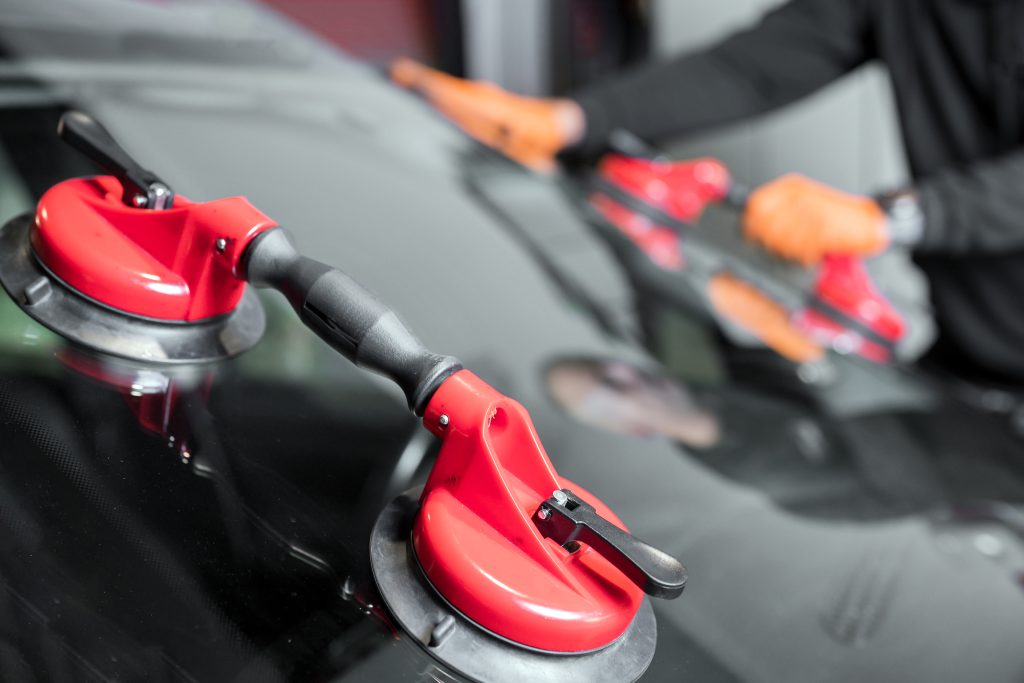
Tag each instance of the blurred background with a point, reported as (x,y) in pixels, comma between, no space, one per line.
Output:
(845,135)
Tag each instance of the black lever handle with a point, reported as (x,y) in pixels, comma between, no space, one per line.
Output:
(565,517)
(348,317)
(142,188)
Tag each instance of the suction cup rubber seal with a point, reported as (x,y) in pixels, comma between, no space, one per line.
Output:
(94,326)
(472,651)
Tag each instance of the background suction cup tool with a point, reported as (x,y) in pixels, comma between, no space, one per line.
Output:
(656,203)
(120,265)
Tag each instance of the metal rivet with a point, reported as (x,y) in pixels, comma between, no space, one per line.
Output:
(543,513)
(443,420)
(221,245)
(140,200)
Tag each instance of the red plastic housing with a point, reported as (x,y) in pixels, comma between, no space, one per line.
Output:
(477,542)
(844,284)
(157,264)
(679,189)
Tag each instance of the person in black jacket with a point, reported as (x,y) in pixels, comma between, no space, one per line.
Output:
(957,68)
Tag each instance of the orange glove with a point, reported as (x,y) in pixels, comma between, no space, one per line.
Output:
(747,307)
(804,220)
(527,129)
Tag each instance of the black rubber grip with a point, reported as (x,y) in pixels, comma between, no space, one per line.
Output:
(348,317)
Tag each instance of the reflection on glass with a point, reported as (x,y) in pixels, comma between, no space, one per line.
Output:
(623,398)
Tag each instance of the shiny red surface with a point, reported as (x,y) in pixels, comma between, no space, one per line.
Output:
(477,542)
(679,189)
(157,264)
(661,244)
(843,282)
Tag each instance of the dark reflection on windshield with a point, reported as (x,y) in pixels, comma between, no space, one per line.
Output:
(180,525)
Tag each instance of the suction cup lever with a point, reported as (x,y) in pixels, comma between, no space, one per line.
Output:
(348,317)
(142,188)
(565,517)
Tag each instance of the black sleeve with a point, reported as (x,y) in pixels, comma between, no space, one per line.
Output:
(793,51)
(975,209)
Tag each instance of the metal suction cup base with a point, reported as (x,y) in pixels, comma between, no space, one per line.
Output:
(96,327)
(471,651)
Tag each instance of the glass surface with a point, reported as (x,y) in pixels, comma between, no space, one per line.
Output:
(627,399)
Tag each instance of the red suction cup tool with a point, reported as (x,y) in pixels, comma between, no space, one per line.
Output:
(506,572)
(849,314)
(526,555)
(502,569)
(176,264)
(655,202)
(120,265)
(650,199)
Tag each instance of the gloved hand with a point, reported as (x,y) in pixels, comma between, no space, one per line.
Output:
(804,220)
(767,320)
(529,130)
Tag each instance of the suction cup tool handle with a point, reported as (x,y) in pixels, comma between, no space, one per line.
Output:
(142,188)
(348,317)
(565,517)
